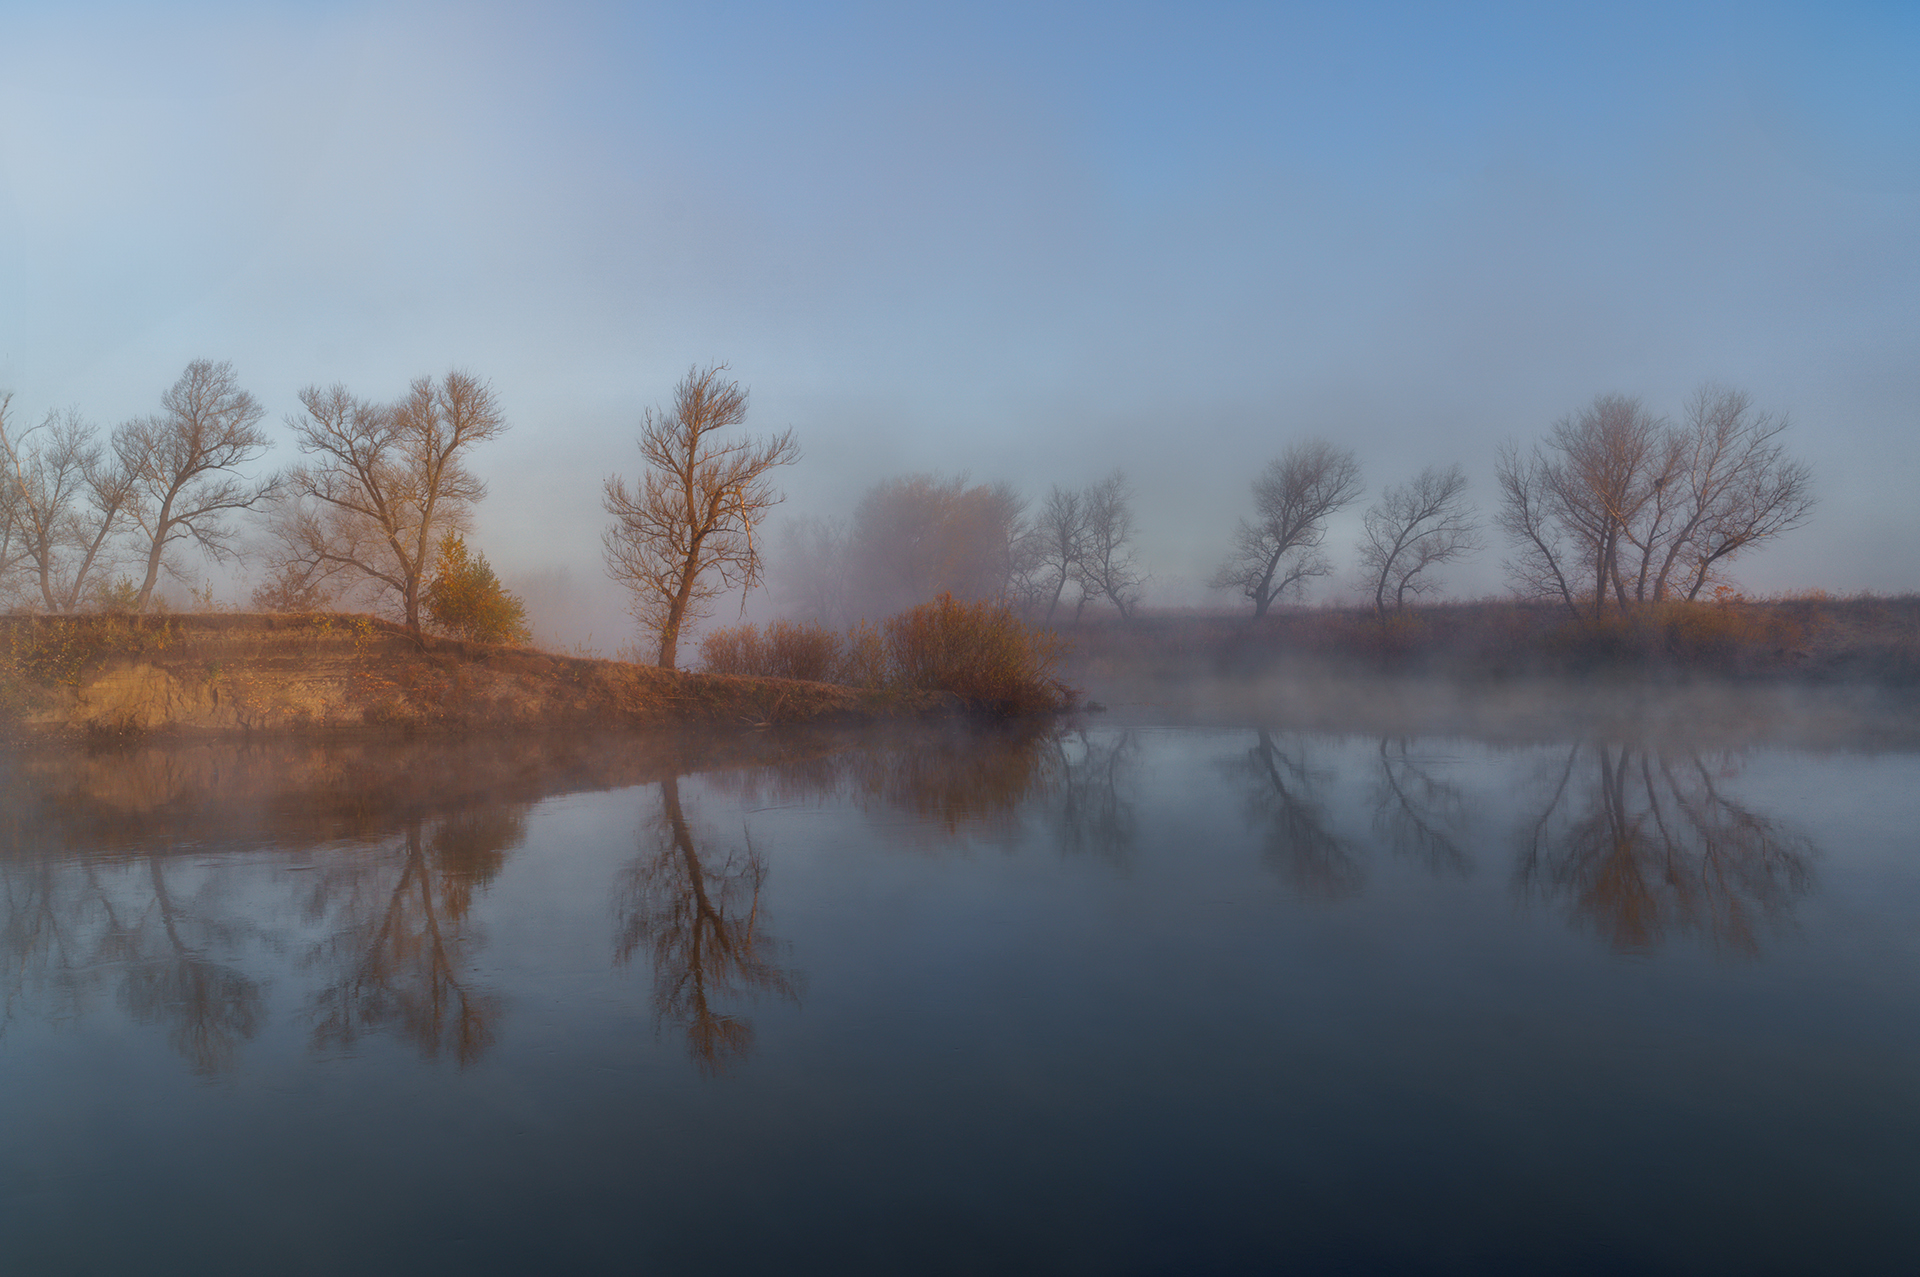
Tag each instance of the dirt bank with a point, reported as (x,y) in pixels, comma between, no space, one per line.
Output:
(322,673)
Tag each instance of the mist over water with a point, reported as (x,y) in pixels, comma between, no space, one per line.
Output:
(1098,997)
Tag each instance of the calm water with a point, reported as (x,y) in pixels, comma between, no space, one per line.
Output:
(1112,1001)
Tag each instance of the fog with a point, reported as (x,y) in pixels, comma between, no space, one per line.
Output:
(1020,247)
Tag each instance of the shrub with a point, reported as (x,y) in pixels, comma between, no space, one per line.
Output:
(736,650)
(863,662)
(981,652)
(808,651)
(465,598)
(786,649)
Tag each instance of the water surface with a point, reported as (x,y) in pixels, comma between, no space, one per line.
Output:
(1102,999)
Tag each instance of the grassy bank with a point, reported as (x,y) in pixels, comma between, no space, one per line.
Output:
(118,677)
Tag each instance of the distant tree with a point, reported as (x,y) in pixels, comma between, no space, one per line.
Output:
(1108,566)
(1618,501)
(683,535)
(386,483)
(813,571)
(184,465)
(65,497)
(1059,544)
(1414,526)
(465,598)
(919,536)
(1292,499)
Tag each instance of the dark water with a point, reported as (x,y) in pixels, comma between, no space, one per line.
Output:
(1114,1000)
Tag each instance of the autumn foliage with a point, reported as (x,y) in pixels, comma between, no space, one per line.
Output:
(982,653)
(466,599)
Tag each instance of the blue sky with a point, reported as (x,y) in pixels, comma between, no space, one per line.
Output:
(1028,242)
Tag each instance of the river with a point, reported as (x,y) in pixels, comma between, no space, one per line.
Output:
(1112,997)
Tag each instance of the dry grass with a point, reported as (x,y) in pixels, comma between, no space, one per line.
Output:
(983,653)
(235,673)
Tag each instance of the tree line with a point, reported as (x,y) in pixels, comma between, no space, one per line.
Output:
(1615,507)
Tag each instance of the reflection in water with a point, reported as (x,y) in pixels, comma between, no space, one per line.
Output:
(399,933)
(1284,807)
(1641,843)
(700,919)
(1420,813)
(209,1007)
(67,929)
(953,781)
(1092,778)
(97,899)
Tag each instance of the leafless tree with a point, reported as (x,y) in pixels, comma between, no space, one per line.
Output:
(1420,523)
(683,535)
(386,482)
(1059,544)
(184,464)
(1108,567)
(1292,500)
(1738,489)
(66,496)
(1619,501)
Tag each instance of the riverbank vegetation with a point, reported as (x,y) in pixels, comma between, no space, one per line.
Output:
(124,677)
(982,653)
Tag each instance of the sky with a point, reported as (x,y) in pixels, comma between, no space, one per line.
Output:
(1026,242)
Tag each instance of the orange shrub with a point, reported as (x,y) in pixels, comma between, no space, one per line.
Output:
(981,652)
(807,651)
(785,649)
(738,650)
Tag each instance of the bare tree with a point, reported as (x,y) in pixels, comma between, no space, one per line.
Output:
(184,464)
(1617,500)
(65,498)
(1292,500)
(1739,489)
(683,535)
(386,482)
(1528,514)
(1414,526)
(1059,544)
(1108,568)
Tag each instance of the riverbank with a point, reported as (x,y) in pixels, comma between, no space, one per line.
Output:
(1804,640)
(115,678)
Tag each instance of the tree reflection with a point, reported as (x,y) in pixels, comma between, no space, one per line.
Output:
(209,1007)
(953,781)
(1418,811)
(67,929)
(700,919)
(1642,843)
(406,926)
(1092,776)
(1283,806)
